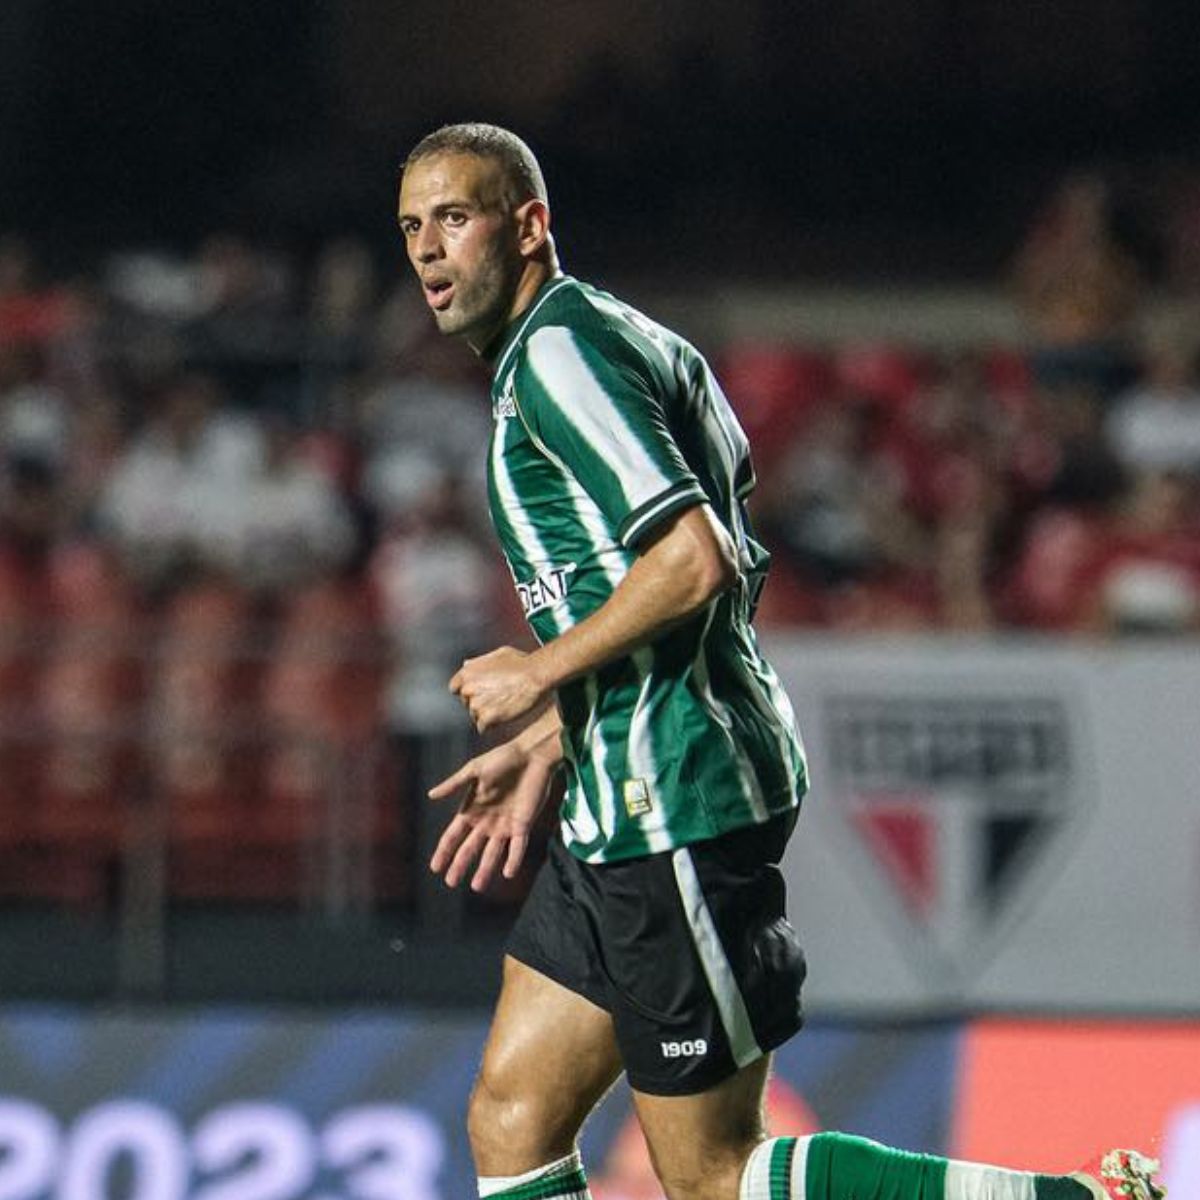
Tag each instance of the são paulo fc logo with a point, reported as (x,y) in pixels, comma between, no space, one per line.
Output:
(956,799)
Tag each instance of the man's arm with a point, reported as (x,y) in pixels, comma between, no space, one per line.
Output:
(683,568)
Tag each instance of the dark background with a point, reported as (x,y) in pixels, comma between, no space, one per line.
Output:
(753,139)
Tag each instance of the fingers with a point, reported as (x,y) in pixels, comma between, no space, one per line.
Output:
(462,844)
(448,844)
(489,860)
(516,854)
(464,856)
(447,787)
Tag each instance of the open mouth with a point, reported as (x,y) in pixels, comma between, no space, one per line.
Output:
(438,293)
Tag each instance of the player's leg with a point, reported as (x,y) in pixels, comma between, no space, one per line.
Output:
(705,979)
(834,1166)
(700,1144)
(550,1057)
(711,1146)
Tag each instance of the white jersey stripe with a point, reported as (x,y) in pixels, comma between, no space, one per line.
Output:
(597,747)
(642,761)
(534,551)
(524,530)
(721,980)
(514,341)
(561,370)
(970,1181)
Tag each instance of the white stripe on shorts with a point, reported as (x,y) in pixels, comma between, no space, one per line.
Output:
(721,980)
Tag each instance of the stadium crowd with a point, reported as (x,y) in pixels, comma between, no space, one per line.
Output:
(240,506)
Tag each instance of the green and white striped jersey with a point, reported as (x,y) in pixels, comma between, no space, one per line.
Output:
(605,424)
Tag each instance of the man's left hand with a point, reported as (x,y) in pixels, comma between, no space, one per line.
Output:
(498,687)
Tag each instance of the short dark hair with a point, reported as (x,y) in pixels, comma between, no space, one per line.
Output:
(522,175)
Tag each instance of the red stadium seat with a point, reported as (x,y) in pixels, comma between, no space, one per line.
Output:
(887,373)
(78,689)
(322,698)
(773,389)
(23,634)
(207,749)
(90,699)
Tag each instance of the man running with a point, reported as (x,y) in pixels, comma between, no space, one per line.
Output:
(654,940)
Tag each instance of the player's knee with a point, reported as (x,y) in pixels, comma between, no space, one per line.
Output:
(511,1129)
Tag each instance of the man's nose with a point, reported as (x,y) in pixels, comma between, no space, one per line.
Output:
(427,246)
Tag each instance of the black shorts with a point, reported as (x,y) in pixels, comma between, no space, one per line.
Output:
(689,950)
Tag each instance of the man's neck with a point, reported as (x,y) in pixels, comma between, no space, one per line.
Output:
(533,278)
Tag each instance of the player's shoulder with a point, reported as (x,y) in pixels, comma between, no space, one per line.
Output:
(580,319)
(579,309)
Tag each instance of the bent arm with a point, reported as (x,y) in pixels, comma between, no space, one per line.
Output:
(686,566)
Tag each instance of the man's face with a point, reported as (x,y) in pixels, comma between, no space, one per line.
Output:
(462,240)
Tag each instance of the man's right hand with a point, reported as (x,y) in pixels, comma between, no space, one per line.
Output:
(503,791)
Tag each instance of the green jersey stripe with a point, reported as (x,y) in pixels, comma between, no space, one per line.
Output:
(722,718)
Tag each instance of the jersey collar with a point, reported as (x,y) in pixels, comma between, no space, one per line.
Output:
(497,353)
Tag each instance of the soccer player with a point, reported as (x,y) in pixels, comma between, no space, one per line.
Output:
(654,940)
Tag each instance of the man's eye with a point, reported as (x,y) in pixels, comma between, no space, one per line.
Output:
(408,228)
(455,218)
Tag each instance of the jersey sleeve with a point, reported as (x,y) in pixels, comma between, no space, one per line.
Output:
(601,414)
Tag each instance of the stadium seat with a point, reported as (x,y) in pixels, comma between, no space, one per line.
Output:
(322,700)
(887,373)
(73,763)
(207,748)
(773,389)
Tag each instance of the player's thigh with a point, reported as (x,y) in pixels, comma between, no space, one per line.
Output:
(699,1143)
(550,1056)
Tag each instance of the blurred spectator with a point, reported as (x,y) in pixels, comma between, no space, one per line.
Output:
(343,291)
(437,586)
(1156,424)
(424,425)
(1078,285)
(29,508)
(33,412)
(285,526)
(174,485)
(1046,587)
(835,504)
(239,281)
(1085,473)
(30,313)
(1147,575)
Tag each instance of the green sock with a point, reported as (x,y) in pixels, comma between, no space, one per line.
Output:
(837,1166)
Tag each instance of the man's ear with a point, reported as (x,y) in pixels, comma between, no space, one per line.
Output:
(533,226)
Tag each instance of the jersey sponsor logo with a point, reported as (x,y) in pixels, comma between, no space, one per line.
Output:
(688,1048)
(637,797)
(956,798)
(544,590)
